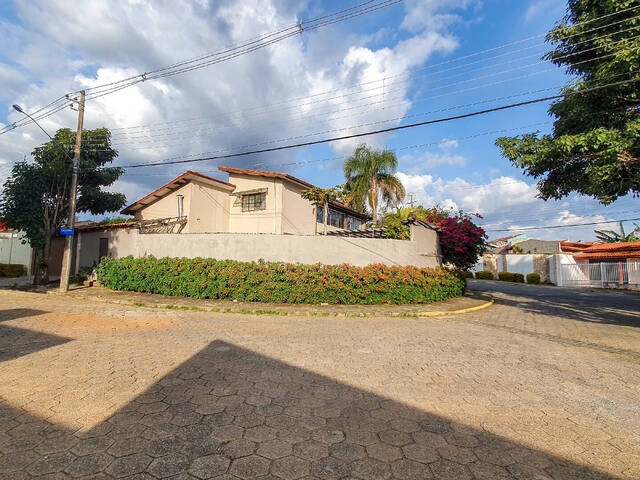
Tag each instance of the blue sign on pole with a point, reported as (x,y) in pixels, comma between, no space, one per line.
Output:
(66,231)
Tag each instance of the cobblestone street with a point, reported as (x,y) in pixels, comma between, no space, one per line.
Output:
(542,385)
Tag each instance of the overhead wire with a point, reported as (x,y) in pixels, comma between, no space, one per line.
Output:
(27,121)
(134,140)
(305,25)
(546,227)
(389,129)
(228,116)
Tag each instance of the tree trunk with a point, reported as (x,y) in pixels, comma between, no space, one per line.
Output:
(41,273)
(325,215)
(46,257)
(374,200)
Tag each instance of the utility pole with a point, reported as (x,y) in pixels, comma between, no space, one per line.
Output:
(410,195)
(65,274)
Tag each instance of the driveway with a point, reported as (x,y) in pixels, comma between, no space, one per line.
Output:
(522,390)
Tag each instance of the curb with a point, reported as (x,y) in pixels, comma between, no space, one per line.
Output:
(487,304)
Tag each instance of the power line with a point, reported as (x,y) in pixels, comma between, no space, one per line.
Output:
(387,130)
(229,115)
(133,140)
(546,227)
(18,124)
(233,52)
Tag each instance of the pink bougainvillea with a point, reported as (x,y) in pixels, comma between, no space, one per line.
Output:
(462,241)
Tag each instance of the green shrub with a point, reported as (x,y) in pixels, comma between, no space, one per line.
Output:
(484,275)
(279,282)
(467,274)
(511,277)
(12,270)
(533,278)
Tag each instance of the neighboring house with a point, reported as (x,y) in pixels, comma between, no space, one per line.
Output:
(499,244)
(252,201)
(612,265)
(610,252)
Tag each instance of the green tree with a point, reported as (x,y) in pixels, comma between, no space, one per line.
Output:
(392,223)
(595,145)
(611,236)
(370,176)
(36,194)
(321,197)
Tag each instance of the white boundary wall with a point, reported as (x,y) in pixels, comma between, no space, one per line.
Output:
(519,263)
(12,250)
(422,251)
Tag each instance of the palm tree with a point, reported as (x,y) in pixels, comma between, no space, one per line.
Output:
(370,176)
(611,236)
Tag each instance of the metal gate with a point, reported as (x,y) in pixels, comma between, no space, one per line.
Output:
(603,275)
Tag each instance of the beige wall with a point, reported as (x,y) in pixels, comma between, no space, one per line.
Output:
(298,214)
(120,240)
(208,210)
(205,206)
(167,206)
(263,221)
(422,251)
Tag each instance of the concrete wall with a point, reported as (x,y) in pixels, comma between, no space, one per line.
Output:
(423,251)
(519,264)
(538,246)
(12,250)
(119,240)
(525,264)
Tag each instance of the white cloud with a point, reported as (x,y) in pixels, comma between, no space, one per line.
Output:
(59,48)
(431,160)
(538,7)
(427,14)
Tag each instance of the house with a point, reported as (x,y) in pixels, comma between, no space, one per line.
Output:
(499,244)
(613,265)
(610,252)
(252,216)
(252,201)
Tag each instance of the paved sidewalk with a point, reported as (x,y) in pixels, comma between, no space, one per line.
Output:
(100,390)
(154,301)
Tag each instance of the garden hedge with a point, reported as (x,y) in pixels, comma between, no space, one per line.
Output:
(484,275)
(511,277)
(279,282)
(12,270)
(533,278)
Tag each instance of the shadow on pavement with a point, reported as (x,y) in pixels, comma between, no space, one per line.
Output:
(16,342)
(15,313)
(605,308)
(231,412)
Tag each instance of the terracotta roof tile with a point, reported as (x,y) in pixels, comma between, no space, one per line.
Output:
(613,247)
(617,255)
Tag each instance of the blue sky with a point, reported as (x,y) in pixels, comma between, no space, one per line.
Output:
(51,49)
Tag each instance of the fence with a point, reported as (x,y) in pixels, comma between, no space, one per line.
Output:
(602,275)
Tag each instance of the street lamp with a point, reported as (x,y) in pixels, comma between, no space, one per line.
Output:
(19,109)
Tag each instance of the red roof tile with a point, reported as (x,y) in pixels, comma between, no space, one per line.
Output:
(614,247)
(611,251)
